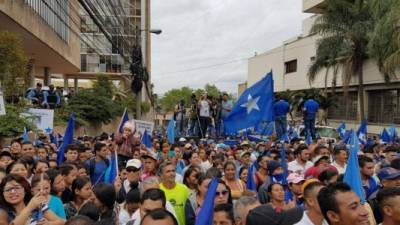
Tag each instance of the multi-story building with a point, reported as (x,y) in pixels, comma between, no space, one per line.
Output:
(290,63)
(49,31)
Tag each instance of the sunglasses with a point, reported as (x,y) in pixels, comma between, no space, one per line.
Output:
(222,193)
(131,169)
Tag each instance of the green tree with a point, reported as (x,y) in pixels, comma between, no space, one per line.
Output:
(172,97)
(14,77)
(346,25)
(12,124)
(384,45)
(95,105)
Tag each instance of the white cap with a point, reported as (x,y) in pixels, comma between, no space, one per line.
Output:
(134,163)
(182,139)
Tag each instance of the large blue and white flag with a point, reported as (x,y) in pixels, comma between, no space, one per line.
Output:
(352,175)
(112,169)
(342,130)
(251,183)
(254,105)
(362,132)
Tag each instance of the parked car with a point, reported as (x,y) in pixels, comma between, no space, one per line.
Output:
(329,134)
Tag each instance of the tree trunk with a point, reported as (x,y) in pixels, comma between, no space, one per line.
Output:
(361,92)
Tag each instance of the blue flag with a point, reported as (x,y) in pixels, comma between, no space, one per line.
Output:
(146,139)
(171,131)
(179,167)
(385,137)
(124,119)
(352,175)
(342,130)
(251,183)
(67,140)
(308,137)
(112,169)
(288,193)
(253,106)
(25,136)
(206,214)
(362,132)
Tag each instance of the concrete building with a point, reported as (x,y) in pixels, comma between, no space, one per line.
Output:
(290,63)
(49,30)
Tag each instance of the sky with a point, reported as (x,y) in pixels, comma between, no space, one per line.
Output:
(210,41)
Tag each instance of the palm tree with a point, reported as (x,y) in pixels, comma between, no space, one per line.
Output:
(344,28)
(385,40)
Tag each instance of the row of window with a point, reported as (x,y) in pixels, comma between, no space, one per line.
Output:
(55,13)
(383,106)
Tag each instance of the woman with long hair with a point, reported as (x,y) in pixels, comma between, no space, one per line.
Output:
(57,184)
(195,200)
(19,168)
(236,185)
(81,193)
(20,208)
(190,177)
(41,184)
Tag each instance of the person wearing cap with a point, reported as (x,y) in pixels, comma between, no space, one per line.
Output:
(370,185)
(312,215)
(150,165)
(266,214)
(321,163)
(341,206)
(389,177)
(302,163)
(176,193)
(245,159)
(296,182)
(131,182)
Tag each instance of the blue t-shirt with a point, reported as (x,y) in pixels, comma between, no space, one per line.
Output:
(99,171)
(311,106)
(56,206)
(281,108)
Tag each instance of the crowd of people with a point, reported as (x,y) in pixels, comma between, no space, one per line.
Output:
(168,183)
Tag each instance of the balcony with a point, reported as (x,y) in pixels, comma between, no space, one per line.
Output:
(313,6)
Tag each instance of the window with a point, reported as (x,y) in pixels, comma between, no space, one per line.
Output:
(291,66)
(383,106)
(345,108)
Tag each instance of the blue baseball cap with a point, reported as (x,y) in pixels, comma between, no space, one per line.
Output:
(388,173)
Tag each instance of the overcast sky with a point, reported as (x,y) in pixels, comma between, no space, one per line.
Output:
(209,41)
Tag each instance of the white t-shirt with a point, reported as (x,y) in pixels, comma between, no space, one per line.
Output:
(305,220)
(204,108)
(136,215)
(295,167)
(340,169)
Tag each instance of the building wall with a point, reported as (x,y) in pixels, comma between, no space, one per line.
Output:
(382,101)
(46,38)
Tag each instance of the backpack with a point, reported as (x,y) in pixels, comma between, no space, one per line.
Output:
(92,165)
